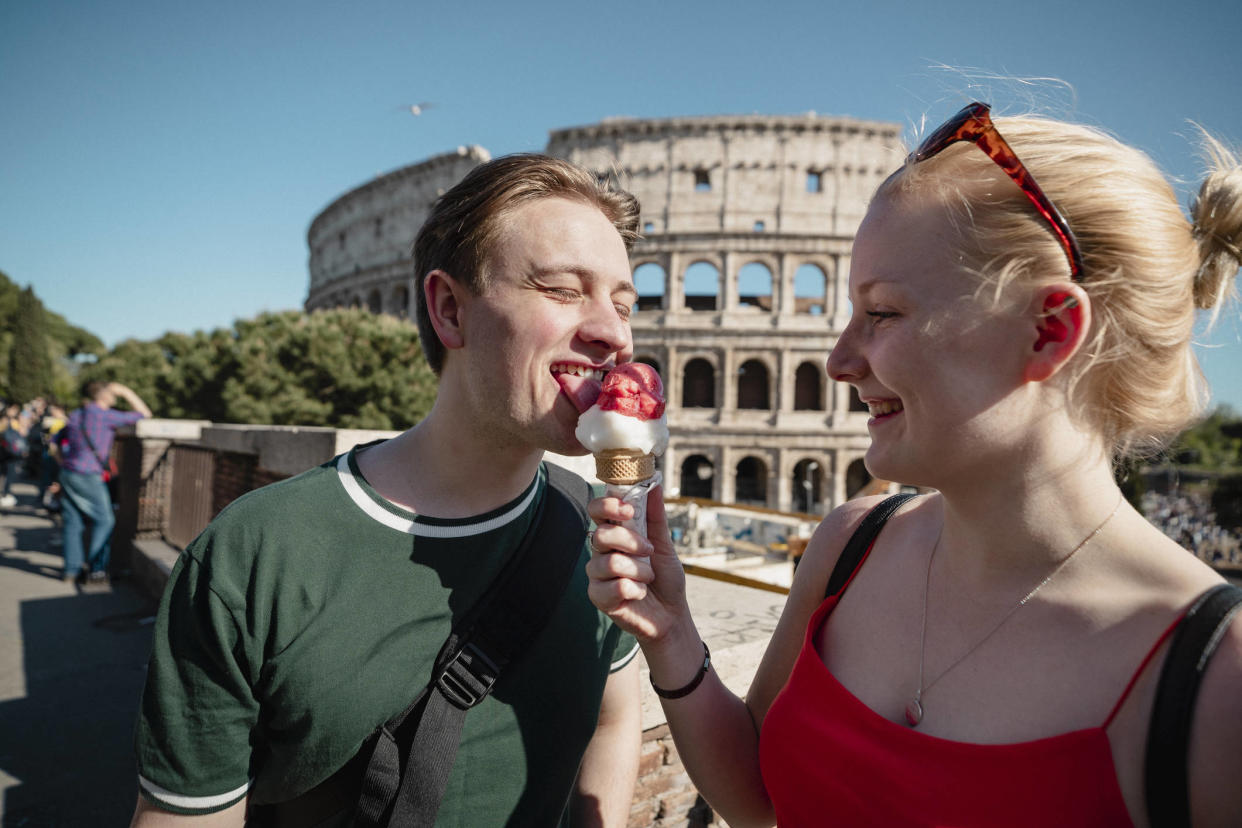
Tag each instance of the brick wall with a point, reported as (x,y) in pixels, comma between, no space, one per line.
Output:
(664,796)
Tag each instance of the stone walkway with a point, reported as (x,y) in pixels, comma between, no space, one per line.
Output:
(72,665)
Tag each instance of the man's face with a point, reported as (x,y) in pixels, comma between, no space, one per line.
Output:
(557,301)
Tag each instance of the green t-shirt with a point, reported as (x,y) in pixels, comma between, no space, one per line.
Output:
(310,612)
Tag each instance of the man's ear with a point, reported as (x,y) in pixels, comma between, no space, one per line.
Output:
(442,294)
(1060,318)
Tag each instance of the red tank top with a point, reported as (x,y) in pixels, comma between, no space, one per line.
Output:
(828,759)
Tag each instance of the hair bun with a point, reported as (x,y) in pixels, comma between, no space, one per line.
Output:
(1217,217)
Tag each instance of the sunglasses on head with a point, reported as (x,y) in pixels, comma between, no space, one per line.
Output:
(974,124)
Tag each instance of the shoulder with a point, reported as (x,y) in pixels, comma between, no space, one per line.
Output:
(1215,761)
(834,532)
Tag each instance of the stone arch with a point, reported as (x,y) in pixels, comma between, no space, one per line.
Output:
(698,384)
(856,403)
(753,385)
(401,301)
(808,387)
(375,302)
(856,478)
(754,286)
(810,289)
(697,472)
(702,286)
(649,281)
(808,486)
(356,302)
(751,483)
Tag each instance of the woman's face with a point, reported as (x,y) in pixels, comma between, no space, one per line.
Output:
(936,366)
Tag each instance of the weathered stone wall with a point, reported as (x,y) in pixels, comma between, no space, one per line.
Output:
(360,244)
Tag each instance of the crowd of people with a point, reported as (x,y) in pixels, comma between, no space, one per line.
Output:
(69,457)
(1188,519)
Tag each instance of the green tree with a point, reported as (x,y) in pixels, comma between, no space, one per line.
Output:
(346,368)
(29,361)
(1215,443)
(64,342)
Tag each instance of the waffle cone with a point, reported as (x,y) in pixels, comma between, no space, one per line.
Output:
(624,467)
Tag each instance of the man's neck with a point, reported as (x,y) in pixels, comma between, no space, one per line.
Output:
(434,469)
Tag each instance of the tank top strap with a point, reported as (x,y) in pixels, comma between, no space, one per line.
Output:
(1142,666)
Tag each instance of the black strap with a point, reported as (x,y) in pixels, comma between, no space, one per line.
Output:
(860,541)
(1168,737)
(414,751)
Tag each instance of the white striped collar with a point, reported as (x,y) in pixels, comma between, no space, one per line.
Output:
(403,520)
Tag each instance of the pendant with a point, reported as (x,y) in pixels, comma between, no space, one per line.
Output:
(914,712)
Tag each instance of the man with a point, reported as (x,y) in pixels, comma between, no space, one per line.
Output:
(86,444)
(310,612)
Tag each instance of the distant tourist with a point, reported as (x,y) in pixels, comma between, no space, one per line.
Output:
(13,448)
(310,613)
(86,444)
(992,657)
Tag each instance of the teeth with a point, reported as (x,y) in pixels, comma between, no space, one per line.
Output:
(878,409)
(577,370)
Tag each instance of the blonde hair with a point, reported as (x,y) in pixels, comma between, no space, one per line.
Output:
(1146,267)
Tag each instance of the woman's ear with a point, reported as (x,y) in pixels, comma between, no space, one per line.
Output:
(1060,317)
(443,294)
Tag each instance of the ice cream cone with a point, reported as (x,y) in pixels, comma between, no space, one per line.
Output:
(624,467)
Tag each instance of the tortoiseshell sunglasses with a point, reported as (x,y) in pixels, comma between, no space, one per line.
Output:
(974,124)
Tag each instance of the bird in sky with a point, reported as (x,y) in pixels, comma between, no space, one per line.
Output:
(417,109)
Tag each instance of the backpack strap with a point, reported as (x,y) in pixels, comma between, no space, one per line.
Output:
(414,751)
(858,544)
(1168,736)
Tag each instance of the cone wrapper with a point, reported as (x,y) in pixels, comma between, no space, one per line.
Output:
(635,494)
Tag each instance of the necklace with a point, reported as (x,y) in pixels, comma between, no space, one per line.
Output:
(914,710)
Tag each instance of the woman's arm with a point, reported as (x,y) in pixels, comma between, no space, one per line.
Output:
(717,734)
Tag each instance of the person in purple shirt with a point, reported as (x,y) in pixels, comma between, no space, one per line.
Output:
(85,444)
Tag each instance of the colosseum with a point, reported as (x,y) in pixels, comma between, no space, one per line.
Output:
(747,225)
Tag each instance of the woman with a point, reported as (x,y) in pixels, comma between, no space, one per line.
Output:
(994,658)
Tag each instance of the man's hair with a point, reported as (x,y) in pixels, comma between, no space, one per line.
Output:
(461,231)
(93,389)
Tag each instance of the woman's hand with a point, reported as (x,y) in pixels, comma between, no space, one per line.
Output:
(636,582)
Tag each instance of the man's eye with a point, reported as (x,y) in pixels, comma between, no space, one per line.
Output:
(561,293)
(624,311)
(882,314)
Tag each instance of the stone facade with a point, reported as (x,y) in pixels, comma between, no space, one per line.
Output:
(742,270)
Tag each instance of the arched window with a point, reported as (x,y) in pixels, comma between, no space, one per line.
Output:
(808,479)
(752,385)
(649,282)
(856,478)
(856,403)
(401,301)
(702,287)
(810,290)
(696,476)
(698,385)
(356,302)
(754,286)
(702,181)
(374,303)
(752,482)
(808,388)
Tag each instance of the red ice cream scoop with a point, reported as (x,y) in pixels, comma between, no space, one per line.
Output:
(633,389)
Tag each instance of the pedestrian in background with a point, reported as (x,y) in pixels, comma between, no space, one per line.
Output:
(85,445)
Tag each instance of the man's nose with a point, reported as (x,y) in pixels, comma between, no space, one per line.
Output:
(604,328)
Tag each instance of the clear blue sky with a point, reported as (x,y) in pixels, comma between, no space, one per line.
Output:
(160,162)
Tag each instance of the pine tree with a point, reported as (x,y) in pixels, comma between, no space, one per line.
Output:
(30,361)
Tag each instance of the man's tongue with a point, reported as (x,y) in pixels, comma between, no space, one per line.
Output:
(582,391)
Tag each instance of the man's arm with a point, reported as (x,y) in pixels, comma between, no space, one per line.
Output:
(605,788)
(149,816)
(135,402)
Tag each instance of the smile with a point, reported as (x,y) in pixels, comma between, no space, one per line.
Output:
(879,408)
(577,370)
